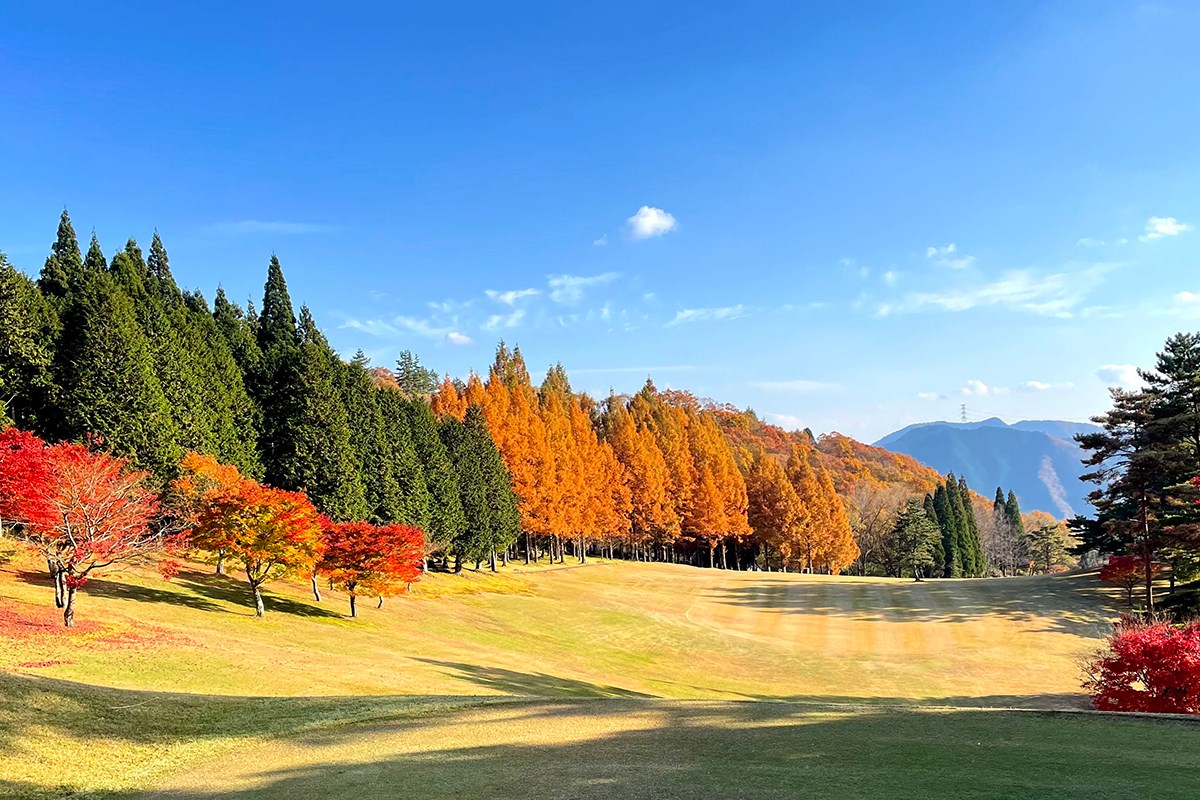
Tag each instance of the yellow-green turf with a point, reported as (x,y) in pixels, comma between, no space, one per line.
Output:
(609,680)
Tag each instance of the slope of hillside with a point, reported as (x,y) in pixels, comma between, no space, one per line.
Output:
(1038,459)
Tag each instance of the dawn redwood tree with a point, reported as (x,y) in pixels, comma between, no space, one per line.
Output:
(93,510)
(272,532)
(372,560)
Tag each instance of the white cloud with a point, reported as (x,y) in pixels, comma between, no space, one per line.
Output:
(499,321)
(603,240)
(512,296)
(634,370)
(1043,386)
(461,339)
(260,226)
(1124,375)
(709,314)
(930,396)
(799,386)
(1054,295)
(1158,227)
(1188,297)
(945,257)
(650,222)
(1088,241)
(570,288)
(788,421)
(891,277)
(977,388)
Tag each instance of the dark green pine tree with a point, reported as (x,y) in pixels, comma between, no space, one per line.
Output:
(108,385)
(26,324)
(372,447)
(962,555)
(276,386)
(323,461)
(473,540)
(63,271)
(234,415)
(416,507)
(974,547)
(414,379)
(446,519)
(504,521)
(1012,512)
(181,365)
(238,333)
(998,504)
(938,552)
(948,526)
(94,261)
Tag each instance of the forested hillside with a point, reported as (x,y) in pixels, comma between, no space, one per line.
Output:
(111,352)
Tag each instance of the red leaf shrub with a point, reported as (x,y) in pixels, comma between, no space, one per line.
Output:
(1148,667)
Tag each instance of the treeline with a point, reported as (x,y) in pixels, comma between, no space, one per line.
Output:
(112,352)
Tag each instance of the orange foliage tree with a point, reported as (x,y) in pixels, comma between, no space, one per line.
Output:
(373,560)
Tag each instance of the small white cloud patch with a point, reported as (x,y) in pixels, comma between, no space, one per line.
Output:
(1160,227)
(650,222)
(1124,375)
(512,296)
(947,256)
(461,339)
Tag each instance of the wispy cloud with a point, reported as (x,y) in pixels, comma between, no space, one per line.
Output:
(891,277)
(1055,295)
(398,326)
(512,296)
(634,370)
(570,288)
(1043,386)
(788,421)
(260,226)
(461,339)
(1088,241)
(503,321)
(601,242)
(977,388)
(798,386)
(1160,227)
(947,256)
(1124,375)
(930,396)
(709,314)
(650,222)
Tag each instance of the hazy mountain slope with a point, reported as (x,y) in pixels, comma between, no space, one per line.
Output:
(1037,459)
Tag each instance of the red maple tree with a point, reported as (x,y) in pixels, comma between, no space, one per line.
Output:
(373,560)
(81,510)
(1128,572)
(1151,667)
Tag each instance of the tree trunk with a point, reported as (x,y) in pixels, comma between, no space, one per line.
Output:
(259,608)
(57,577)
(504,557)
(69,608)
(316,589)
(380,604)
(492,561)
(1147,561)
(220,562)
(353,606)
(582,550)
(527,548)
(711,547)
(458,561)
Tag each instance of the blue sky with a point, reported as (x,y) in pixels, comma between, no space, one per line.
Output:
(847,216)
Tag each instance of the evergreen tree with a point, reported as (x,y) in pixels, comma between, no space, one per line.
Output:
(913,537)
(322,461)
(937,550)
(504,514)
(276,387)
(372,446)
(25,354)
(415,507)
(485,490)
(94,261)
(239,335)
(277,323)
(446,517)
(414,379)
(948,526)
(1012,513)
(63,271)
(108,384)
(962,555)
(973,560)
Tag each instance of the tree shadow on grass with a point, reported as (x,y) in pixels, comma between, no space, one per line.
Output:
(197,590)
(535,684)
(643,749)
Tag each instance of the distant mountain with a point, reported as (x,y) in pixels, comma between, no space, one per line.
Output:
(1037,459)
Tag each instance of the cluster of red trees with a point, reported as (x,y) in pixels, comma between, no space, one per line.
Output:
(1148,666)
(84,510)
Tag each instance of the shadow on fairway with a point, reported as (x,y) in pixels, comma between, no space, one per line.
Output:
(528,683)
(203,590)
(754,751)
(1069,604)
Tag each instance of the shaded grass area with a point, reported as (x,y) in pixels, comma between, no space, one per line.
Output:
(696,749)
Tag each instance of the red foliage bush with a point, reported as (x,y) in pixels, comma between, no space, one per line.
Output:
(1148,666)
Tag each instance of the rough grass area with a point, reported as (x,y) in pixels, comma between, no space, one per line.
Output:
(176,685)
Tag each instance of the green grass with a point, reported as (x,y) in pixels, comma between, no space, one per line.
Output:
(609,680)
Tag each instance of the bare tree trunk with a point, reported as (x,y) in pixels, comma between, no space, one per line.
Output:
(353,606)
(259,608)
(56,576)
(220,562)
(69,608)
(526,548)
(316,589)
(381,601)
(504,557)
(582,550)
(492,561)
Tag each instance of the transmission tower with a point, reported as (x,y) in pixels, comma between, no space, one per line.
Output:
(962,410)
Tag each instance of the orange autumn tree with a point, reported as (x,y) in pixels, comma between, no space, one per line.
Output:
(836,548)
(272,532)
(805,538)
(447,402)
(774,511)
(651,515)
(201,476)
